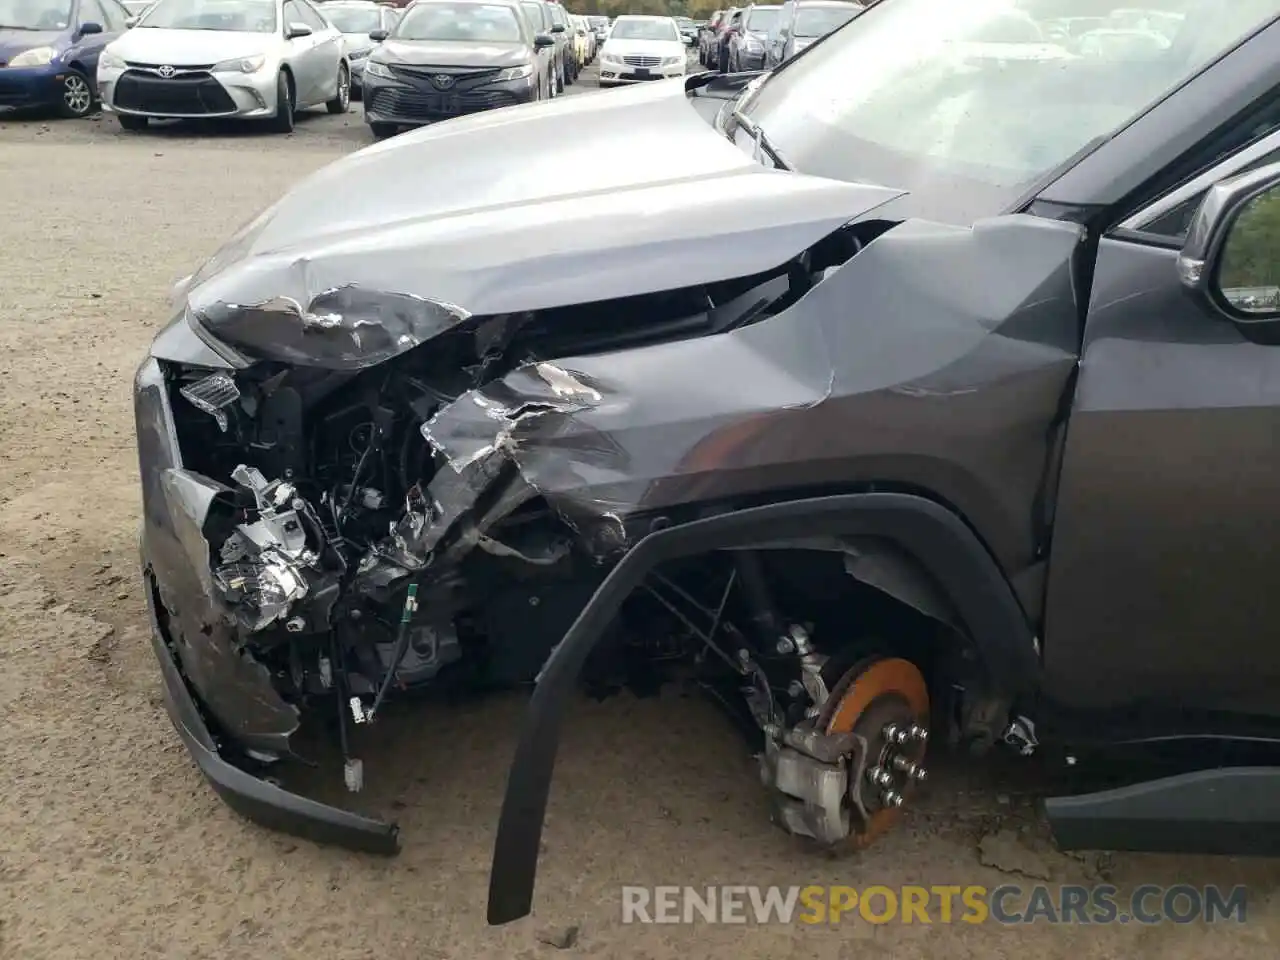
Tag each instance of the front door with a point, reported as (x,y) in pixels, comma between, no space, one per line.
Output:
(1163,599)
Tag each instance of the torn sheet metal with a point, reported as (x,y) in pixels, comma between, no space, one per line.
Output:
(343,328)
(929,325)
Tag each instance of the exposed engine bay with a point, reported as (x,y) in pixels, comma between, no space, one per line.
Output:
(359,557)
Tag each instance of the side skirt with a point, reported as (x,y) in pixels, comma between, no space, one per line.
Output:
(1231,811)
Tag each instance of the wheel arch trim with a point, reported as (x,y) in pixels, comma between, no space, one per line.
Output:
(932,533)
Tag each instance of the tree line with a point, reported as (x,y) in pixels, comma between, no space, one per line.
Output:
(697,9)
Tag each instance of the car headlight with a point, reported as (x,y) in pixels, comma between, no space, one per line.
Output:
(376,68)
(754,46)
(357,54)
(671,61)
(515,73)
(111,61)
(240,65)
(35,57)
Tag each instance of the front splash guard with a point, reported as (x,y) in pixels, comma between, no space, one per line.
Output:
(930,532)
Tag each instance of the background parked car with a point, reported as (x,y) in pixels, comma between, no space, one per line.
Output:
(642,48)
(447,58)
(707,36)
(688,29)
(355,20)
(601,27)
(49,52)
(587,36)
(537,19)
(560,53)
(802,22)
(578,34)
(269,59)
(729,26)
(747,46)
(560,19)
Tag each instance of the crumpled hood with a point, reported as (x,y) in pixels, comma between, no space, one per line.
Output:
(14,42)
(477,212)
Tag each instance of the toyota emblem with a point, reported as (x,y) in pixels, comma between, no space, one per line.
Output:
(166,71)
(442,81)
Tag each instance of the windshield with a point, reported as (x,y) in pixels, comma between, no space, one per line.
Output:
(461,22)
(760,19)
(240,16)
(819,21)
(34,14)
(353,19)
(644,30)
(533,12)
(965,120)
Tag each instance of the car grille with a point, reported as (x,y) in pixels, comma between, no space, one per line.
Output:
(156,66)
(423,105)
(635,61)
(459,78)
(188,94)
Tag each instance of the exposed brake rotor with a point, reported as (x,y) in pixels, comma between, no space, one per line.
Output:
(885,702)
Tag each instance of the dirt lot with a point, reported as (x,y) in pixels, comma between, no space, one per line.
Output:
(111,844)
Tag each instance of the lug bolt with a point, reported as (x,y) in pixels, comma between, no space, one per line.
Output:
(892,798)
(904,764)
(880,776)
(919,733)
(920,774)
(890,732)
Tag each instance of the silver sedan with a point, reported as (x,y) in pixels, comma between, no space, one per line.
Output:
(252,59)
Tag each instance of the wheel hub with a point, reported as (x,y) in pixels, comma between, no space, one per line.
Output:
(884,703)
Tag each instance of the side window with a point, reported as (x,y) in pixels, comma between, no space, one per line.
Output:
(116,16)
(311,17)
(293,13)
(90,12)
(1172,224)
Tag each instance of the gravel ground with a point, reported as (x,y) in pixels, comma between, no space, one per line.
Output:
(110,842)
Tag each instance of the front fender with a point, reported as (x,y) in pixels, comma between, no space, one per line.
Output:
(935,536)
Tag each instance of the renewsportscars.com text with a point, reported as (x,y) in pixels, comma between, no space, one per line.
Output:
(973,904)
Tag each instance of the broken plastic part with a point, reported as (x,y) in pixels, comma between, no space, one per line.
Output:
(213,395)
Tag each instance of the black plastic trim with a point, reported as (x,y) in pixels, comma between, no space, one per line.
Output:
(933,534)
(252,798)
(1229,811)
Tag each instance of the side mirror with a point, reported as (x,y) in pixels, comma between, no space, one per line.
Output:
(557,28)
(1230,259)
(377,36)
(297,30)
(87,29)
(543,40)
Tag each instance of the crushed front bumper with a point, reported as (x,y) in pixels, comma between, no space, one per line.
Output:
(251,797)
(215,679)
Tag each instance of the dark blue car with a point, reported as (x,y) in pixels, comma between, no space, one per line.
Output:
(49,52)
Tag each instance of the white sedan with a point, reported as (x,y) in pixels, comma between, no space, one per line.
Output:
(252,59)
(642,48)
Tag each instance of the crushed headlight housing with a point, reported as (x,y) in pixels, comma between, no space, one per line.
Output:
(346,328)
(213,395)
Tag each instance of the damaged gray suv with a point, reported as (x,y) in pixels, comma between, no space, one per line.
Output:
(935,412)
